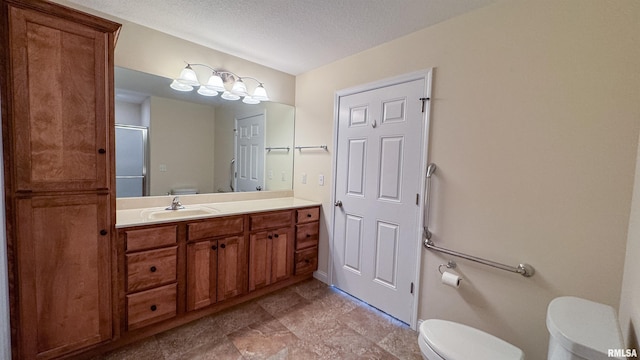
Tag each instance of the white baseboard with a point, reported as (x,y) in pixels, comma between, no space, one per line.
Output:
(321,276)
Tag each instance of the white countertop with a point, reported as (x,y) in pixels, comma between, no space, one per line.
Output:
(158,215)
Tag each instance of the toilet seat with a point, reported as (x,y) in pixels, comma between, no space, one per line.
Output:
(453,341)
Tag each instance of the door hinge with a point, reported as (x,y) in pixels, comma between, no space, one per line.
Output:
(424,99)
(412,288)
(417,199)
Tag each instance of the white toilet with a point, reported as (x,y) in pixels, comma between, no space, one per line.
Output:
(581,329)
(447,340)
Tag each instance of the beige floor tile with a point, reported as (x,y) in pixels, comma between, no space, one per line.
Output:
(306,321)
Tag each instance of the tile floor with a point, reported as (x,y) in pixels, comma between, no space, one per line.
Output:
(305,321)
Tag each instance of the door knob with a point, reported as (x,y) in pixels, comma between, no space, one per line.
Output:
(338,203)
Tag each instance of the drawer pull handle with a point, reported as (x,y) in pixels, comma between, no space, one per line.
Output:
(308,235)
(308,215)
(306,261)
(103,232)
(154,308)
(102,151)
(222,246)
(153,269)
(214,247)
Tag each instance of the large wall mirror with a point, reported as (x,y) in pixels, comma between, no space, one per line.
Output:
(170,142)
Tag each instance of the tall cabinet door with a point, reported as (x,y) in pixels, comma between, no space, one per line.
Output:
(60,103)
(64,260)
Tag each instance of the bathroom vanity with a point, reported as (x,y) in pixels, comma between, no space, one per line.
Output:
(174,270)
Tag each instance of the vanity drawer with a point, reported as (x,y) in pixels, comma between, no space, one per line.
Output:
(142,239)
(151,268)
(151,306)
(270,220)
(306,235)
(307,215)
(215,227)
(306,261)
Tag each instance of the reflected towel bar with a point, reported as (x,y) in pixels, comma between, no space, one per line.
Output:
(278,148)
(324,147)
(525,270)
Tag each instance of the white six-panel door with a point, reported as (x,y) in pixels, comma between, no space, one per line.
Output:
(250,153)
(378,177)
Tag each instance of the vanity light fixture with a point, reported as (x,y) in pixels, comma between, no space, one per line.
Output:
(188,80)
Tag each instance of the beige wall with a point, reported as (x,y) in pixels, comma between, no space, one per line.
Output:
(630,296)
(534,128)
(181,137)
(147,50)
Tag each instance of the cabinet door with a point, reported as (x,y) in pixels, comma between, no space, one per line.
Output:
(202,264)
(64,267)
(270,258)
(259,260)
(61,117)
(232,267)
(281,254)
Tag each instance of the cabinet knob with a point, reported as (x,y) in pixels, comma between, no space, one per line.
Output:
(270,237)
(103,232)
(222,246)
(308,215)
(306,261)
(214,247)
(102,151)
(154,308)
(153,269)
(276,235)
(308,235)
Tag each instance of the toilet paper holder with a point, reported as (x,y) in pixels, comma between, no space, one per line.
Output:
(450,265)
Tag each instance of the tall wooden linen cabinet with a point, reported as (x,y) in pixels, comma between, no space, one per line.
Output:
(56,68)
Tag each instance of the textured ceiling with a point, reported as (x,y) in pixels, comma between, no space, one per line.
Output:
(292,36)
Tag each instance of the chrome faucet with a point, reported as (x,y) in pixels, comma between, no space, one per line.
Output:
(175,204)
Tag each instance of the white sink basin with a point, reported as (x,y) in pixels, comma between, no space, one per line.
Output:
(176,214)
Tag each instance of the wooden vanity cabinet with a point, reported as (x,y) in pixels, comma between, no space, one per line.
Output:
(270,248)
(307,235)
(56,78)
(216,261)
(151,275)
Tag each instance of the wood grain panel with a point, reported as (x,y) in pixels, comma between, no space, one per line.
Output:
(306,261)
(142,239)
(61,121)
(201,274)
(215,227)
(232,267)
(307,235)
(65,270)
(307,215)
(151,306)
(270,220)
(151,268)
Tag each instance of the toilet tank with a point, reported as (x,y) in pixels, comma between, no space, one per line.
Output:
(581,329)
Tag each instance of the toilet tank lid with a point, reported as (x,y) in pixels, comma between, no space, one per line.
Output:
(583,327)
(454,341)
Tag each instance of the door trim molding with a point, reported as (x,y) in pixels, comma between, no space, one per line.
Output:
(426,75)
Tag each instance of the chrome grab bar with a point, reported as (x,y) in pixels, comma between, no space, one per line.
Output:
(525,270)
(431,168)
